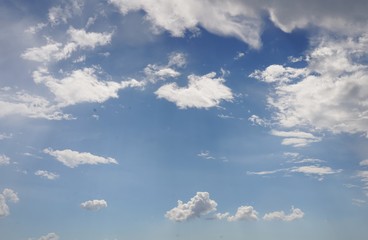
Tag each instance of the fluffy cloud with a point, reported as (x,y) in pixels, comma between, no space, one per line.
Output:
(94,205)
(81,85)
(256,120)
(218,17)
(62,13)
(278,73)
(55,51)
(199,205)
(154,72)
(4,160)
(364,163)
(49,236)
(8,195)
(73,159)
(244,213)
(296,138)
(46,174)
(332,95)
(33,106)
(202,92)
(296,213)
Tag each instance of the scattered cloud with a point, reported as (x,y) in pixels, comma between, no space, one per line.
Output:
(177,17)
(202,92)
(331,94)
(73,159)
(65,11)
(197,206)
(4,160)
(94,205)
(256,120)
(358,202)
(267,172)
(296,213)
(205,154)
(46,174)
(278,73)
(364,163)
(296,138)
(363,175)
(49,236)
(244,213)
(82,85)
(56,51)
(239,55)
(27,105)
(8,195)
(5,136)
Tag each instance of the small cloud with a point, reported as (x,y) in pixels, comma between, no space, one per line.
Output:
(5,136)
(244,213)
(4,160)
(256,120)
(49,236)
(295,59)
(279,74)
(94,205)
(202,92)
(8,195)
(239,55)
(73,159)
(364,163)
(205,155)
(197,206)
(358,202)
(46,174)
(296,138)
(296,213)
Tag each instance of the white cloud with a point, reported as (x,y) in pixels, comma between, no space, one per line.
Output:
(278,73)
(296,213)
(8,195)
(36,28)
(62,13)
(46,174)
(56,51)
(205,155)
(267,172)
(81,85)
(88,39)
(296,138)
(256,120)
(244,213)
(4,160)
(363,175)
(199,205)
(177,59)
(332,95)
(358,202)
(315,170)
(33,106)
(364,163)
(5,136)
(308,160)
(94,205)
(239,55)
(202,92)
(73,159)
(222,18)
(50,236)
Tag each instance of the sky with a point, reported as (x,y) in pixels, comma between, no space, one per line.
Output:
(173,119)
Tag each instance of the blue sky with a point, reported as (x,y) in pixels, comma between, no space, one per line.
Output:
(210,119)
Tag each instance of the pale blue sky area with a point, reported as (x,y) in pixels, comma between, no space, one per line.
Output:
(136,119)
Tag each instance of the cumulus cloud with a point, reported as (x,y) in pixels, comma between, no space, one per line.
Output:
(94,205)
(4,160)
(364,163)
(333,93)
(278,73)
(202,92)
(154,72)
(56,51)
(197,206)
(49,236)
(82,85)
(296,213)
(8,195)
(218,17)
(244,213)
(296,138)
(65,11)
(73,159)
(25,104)
(46,174)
